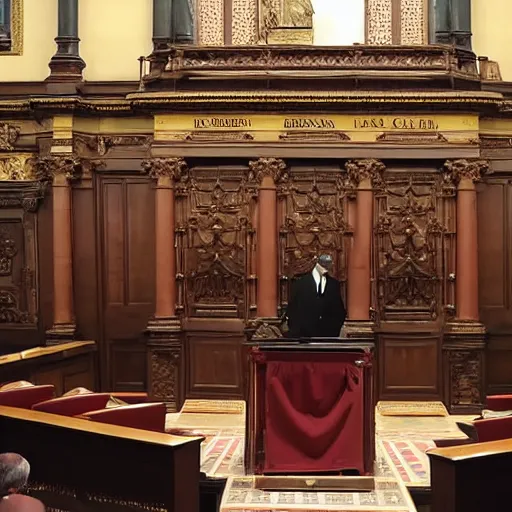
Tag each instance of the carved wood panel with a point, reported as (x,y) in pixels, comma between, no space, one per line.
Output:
(18,271)
(214,223)
(312,220)
(464,378)
(414,246)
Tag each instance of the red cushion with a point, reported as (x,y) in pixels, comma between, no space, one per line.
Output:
(494,429)
(142,416)
(73,405)
(499,402)
(26,397)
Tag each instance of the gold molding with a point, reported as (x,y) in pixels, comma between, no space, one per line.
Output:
(16,29)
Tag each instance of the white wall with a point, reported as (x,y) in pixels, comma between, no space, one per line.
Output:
(338,22)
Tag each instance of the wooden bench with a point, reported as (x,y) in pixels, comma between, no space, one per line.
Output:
(472,477)
(78,464)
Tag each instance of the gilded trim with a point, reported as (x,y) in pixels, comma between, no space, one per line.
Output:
(16,29)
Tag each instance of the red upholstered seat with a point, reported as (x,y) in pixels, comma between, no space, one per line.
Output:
(142,416)
(494,429)
(499,402)
(73,405)
(26,396)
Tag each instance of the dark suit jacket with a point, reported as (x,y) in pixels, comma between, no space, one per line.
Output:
(311,316)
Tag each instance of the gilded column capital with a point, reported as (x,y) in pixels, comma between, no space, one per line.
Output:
(457,170)
(59,169)
(172,168)
(17,167)
(273,167)
(368,169)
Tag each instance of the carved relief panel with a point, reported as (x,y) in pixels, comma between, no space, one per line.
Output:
(18,265)
(312,223)
(213,226)
(413,230)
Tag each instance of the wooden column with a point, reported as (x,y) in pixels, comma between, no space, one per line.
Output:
(465,173)
(67,65)
(164,329)
(267,172)
(464,336)
(59,170)
(363,174)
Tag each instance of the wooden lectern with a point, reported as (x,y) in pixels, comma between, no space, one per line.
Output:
(310,407)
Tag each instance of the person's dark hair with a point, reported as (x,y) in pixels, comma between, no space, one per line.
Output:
(14,472)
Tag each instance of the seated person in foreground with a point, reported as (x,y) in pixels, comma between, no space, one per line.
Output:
(14,473)
(316,309)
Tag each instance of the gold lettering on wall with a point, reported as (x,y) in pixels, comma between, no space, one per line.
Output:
(283,127)
(396,123)
(309,123)
(221,122)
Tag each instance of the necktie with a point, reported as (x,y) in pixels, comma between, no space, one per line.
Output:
(320,281)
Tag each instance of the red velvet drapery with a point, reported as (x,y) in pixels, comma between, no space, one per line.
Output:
(314,414)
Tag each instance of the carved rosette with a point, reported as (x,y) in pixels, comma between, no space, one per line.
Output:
(273,167)
(164,364)
(368,169)
(8,136)
(457,170)
(173,168)
(58,168)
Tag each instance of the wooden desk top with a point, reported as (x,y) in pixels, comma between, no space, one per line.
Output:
(313,345)
(96,428)
(471,451)
(66,349)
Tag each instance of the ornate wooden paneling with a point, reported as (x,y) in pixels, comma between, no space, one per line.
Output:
(215,223)
(495,286)
(214,241)
(414,259)
(126,215)
(464,373)
(409,246)
(312,222)
(19,291)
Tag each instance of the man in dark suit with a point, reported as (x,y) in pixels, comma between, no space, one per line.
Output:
(316,308)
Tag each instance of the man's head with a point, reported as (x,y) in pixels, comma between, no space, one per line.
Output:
(325,262)
(14,472)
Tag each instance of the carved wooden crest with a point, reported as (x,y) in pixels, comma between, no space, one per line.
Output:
(215,230)
(408,243)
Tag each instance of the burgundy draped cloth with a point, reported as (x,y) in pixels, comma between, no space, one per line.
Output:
(314,414)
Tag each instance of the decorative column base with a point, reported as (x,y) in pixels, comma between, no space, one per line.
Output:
(66,65)
(454,38)
(263,329)
(164,349)
(60,333)
(464,367)
(358,329)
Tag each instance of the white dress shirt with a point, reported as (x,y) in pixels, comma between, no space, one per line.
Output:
(319,278)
